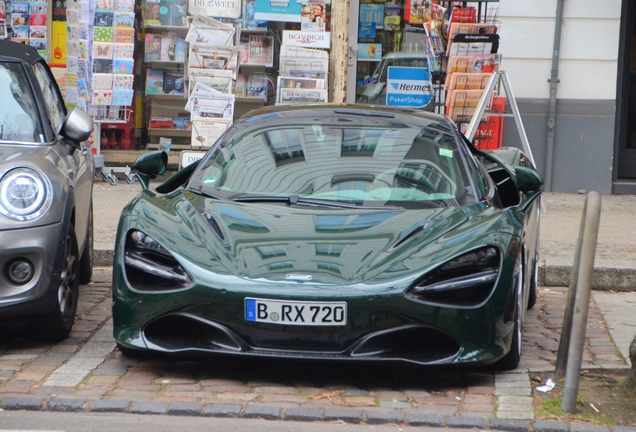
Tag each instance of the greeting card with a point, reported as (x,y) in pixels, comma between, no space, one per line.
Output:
(82,29)
(123,97)
(102,50)
(37,20)
(71,65)
(103,34)
(83,49)
(103,19)
(72,16)
(124,35)
(102,97)
(124,19)
(104,5)
(102,65)
(102,81)
(21,7)
(124,5)
(123,66)
(71,94)
(72,33)
(39,44)
(71,79)
(37,32)
(123,82)
(124,51)
(37,8)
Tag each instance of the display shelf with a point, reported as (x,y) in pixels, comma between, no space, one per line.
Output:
(164,28)
(171,132)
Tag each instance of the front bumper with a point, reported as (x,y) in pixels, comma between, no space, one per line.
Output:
(41,246)
(380,327)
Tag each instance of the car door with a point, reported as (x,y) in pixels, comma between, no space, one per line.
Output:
(81,160)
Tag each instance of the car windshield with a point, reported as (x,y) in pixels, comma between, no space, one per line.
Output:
(372,160)
(18,112)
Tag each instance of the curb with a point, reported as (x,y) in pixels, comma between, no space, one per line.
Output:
(604,278)
(278,413)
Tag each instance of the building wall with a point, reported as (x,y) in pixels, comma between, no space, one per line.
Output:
(586,94)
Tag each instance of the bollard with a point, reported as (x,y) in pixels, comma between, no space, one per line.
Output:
(566,328)
(585,269)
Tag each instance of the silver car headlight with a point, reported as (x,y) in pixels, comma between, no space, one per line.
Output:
(25,194)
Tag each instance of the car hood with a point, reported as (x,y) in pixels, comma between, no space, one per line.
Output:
(282,243)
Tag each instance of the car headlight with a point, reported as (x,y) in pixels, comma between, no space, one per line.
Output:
(25,194)
(467,280)
(150,267)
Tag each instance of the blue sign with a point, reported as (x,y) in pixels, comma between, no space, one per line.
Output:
(408,87)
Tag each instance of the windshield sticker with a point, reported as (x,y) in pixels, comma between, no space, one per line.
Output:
(446,153)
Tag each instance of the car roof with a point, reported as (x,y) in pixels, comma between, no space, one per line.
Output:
(18,51)
(311,110)
(406,54)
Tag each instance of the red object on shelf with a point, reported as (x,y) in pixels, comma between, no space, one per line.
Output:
(489,134)
(118,136)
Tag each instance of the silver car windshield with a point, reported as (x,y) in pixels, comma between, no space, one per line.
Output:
(19,120)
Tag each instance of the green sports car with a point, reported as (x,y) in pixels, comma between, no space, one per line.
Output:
(332,232)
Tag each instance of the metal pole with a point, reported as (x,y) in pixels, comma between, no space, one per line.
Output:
(582,302)
(554,80)
(566,329)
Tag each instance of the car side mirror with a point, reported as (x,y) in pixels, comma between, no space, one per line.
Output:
(77,126)
(150,165)
(528,179)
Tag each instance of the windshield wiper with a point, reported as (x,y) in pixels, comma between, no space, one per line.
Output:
(295,200)
(208,194)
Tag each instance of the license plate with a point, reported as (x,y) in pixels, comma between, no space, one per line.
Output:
(296,312)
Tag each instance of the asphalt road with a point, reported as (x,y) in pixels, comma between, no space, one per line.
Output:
(91,422)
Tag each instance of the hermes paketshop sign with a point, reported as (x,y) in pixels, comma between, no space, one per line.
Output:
(215,8)
(307,39)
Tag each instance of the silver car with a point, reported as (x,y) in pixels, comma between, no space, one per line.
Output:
(46,188)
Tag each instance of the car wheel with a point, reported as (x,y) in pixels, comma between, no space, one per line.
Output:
(511,360)
(534,282)
(534,279)
(57,324)
(86,260)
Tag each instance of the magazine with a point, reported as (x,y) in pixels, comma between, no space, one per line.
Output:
(206,132)
(210,31)
(172,47)
(464,98)
(467,81)
(173,83)
(261,50)
(154,81)
(288,96)
(313,16)
(220,80)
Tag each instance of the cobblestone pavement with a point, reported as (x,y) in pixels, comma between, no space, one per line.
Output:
(86,372)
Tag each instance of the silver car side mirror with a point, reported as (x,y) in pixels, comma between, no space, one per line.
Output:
(77,125)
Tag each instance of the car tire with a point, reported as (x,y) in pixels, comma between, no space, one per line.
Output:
(534,278)
(511,360)
(86,260)
(57,324)
(534,283)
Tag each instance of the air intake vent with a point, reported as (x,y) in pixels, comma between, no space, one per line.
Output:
(216,228)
